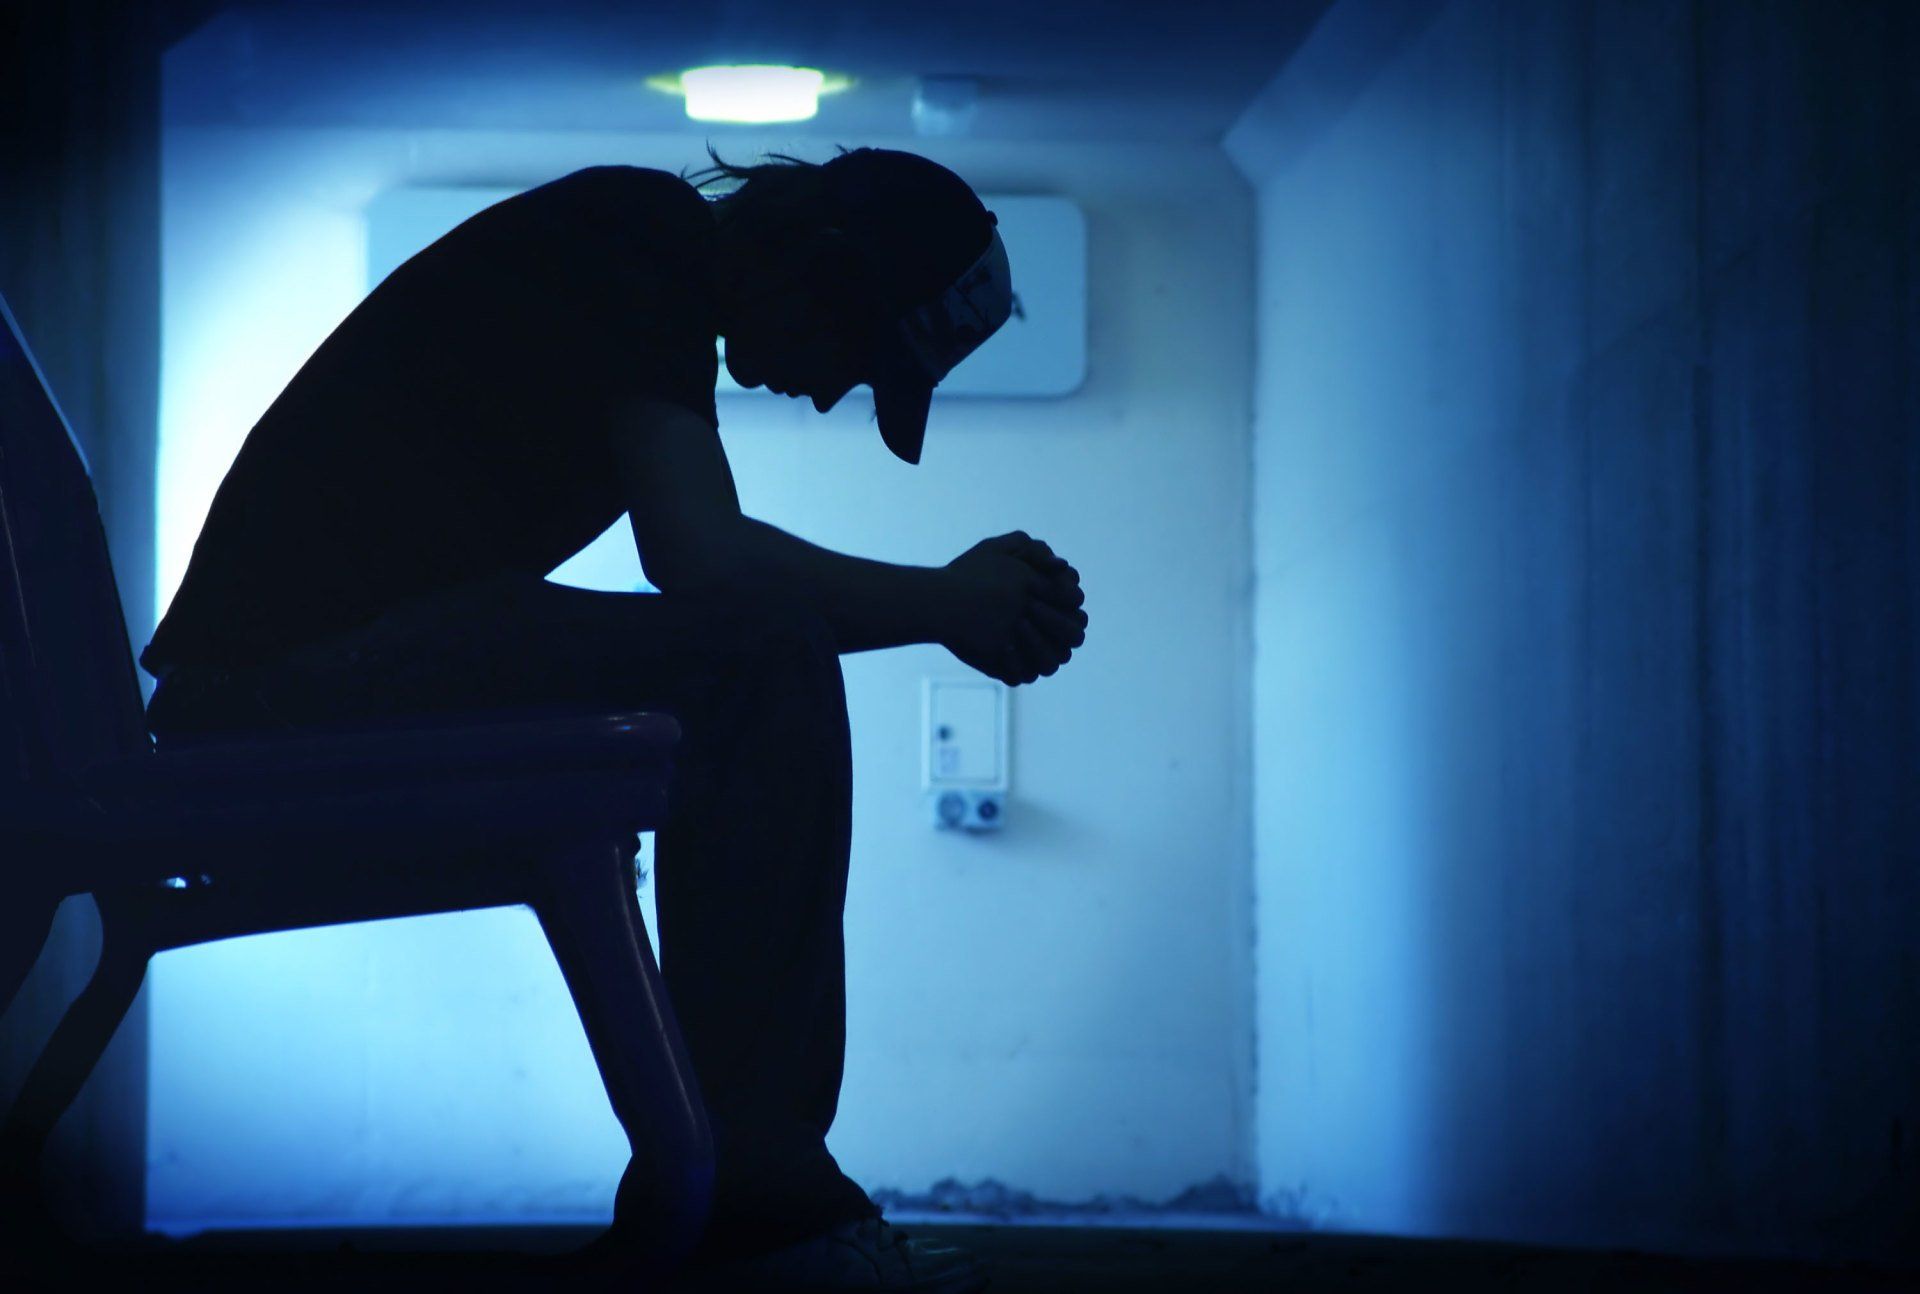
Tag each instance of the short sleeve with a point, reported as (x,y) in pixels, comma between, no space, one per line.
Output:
(638,260)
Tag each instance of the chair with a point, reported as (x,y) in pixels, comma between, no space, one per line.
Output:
(313,827)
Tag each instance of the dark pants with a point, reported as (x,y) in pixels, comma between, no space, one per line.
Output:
(751,863)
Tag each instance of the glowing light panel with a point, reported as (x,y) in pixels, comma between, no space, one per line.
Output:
(752,93)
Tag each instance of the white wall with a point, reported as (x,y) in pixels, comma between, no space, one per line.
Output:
(1065,1007)
(1345,869)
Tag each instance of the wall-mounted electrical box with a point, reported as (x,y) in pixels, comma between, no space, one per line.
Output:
(964,752)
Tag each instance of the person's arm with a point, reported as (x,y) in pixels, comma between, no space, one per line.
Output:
(692,537)
(868,604)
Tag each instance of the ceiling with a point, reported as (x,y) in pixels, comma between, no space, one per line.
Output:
(1123,70)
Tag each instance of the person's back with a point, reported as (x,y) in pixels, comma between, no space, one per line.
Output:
(454,425)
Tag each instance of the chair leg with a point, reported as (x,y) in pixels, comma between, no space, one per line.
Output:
(24,923)
(70,1055)
(585,902)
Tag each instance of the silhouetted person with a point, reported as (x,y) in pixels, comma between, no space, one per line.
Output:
(379,547)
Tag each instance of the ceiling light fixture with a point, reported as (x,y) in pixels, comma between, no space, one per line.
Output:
(751,93)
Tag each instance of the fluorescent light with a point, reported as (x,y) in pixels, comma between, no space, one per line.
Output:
(752,93)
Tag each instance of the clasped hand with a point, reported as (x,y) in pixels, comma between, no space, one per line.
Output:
(1016,609)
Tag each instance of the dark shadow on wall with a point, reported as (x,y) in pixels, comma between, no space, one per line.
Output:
(1594,346)
(1707,693)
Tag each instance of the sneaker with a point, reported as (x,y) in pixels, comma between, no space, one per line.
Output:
(864,1255)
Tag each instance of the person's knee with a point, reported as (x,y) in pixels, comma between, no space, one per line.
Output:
(762,635)
(769,675)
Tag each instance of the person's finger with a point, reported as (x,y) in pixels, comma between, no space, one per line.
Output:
(1061,569)
(1067,631)
(1059,593)
(1040,550)
(1047,560)
(1070,595)
(1019,666)
(1013,669)
(1041,656)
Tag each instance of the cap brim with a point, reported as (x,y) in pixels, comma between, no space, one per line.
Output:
(901,408)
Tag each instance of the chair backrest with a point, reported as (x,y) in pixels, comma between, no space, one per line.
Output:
(71,697)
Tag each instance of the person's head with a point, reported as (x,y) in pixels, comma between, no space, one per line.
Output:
(876,267)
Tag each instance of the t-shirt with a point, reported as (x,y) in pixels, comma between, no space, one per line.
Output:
(457,423)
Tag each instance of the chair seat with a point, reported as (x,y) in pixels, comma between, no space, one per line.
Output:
(475,742)
(465,784)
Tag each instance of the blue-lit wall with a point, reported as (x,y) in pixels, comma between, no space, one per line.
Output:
(1587,508)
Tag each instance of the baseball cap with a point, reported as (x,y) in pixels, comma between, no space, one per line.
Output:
(940,270)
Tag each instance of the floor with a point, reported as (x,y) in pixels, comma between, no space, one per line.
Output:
(1026,1259)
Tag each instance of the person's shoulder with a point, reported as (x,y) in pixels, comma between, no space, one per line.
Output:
(619,185)
(616,175)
